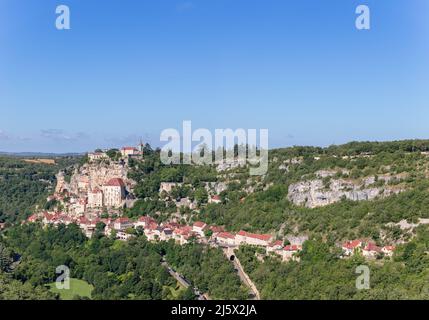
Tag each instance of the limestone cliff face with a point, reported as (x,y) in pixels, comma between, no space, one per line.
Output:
(61,182)
(216,187)
(94,175)
(313,193)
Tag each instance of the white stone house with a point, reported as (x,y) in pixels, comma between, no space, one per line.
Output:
(289,252)
(388,250)
(350,247)
(129,152)
(166,234)
(144,222)
(199,227)
(122,224)
(80,206)
(123,236)
(225,238)
(275,246)
(244,237)
(95,156)
(114,192)
(95,198)
(371,250)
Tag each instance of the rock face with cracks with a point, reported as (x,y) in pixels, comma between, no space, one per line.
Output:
(94,175)
(315,193)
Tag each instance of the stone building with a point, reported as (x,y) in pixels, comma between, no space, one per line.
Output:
(96,156)
(244,237)
(168,186)
(114,192)
(129,152)
(95,198)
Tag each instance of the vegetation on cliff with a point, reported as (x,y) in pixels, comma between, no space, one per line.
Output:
(25,183)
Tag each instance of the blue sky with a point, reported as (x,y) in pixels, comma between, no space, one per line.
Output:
(129,69)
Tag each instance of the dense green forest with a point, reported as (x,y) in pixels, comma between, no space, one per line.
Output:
(12,289)
(133,269)
(116,269)
(267,208)
(322,274)
(206,267)
(25,183)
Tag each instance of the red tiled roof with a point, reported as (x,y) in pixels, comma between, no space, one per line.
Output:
(372,247)
(172,225)
(183,230)
(199,224)
(122,220)
(216,197)
(216,229)
(152,226)
(83,220)
(389,248)
(48,216)
(115,182)
(276,243)
(225,235)
(352,244)
(263,237)
(32,218)
(146,219)
(292,248)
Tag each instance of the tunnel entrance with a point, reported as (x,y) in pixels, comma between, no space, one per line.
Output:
(232,258)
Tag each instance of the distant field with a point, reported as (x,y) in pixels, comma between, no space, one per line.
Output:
(43,161)
(77,288)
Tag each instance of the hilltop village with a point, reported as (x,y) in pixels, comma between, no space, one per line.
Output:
(181,231)
(93,197)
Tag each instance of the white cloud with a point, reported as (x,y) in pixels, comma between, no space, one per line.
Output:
(59,134)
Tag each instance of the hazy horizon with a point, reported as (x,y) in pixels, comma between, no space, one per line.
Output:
(71,152)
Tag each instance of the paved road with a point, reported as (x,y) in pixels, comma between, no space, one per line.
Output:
(184,282)
(229,251)
(242,274)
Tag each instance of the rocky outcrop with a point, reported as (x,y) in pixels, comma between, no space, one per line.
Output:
(216,187)
(61,182)
(405,225)
(94,175)
(314,193)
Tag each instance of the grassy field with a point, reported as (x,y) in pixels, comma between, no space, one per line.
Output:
(42,161)
(176,291)
(77,288)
